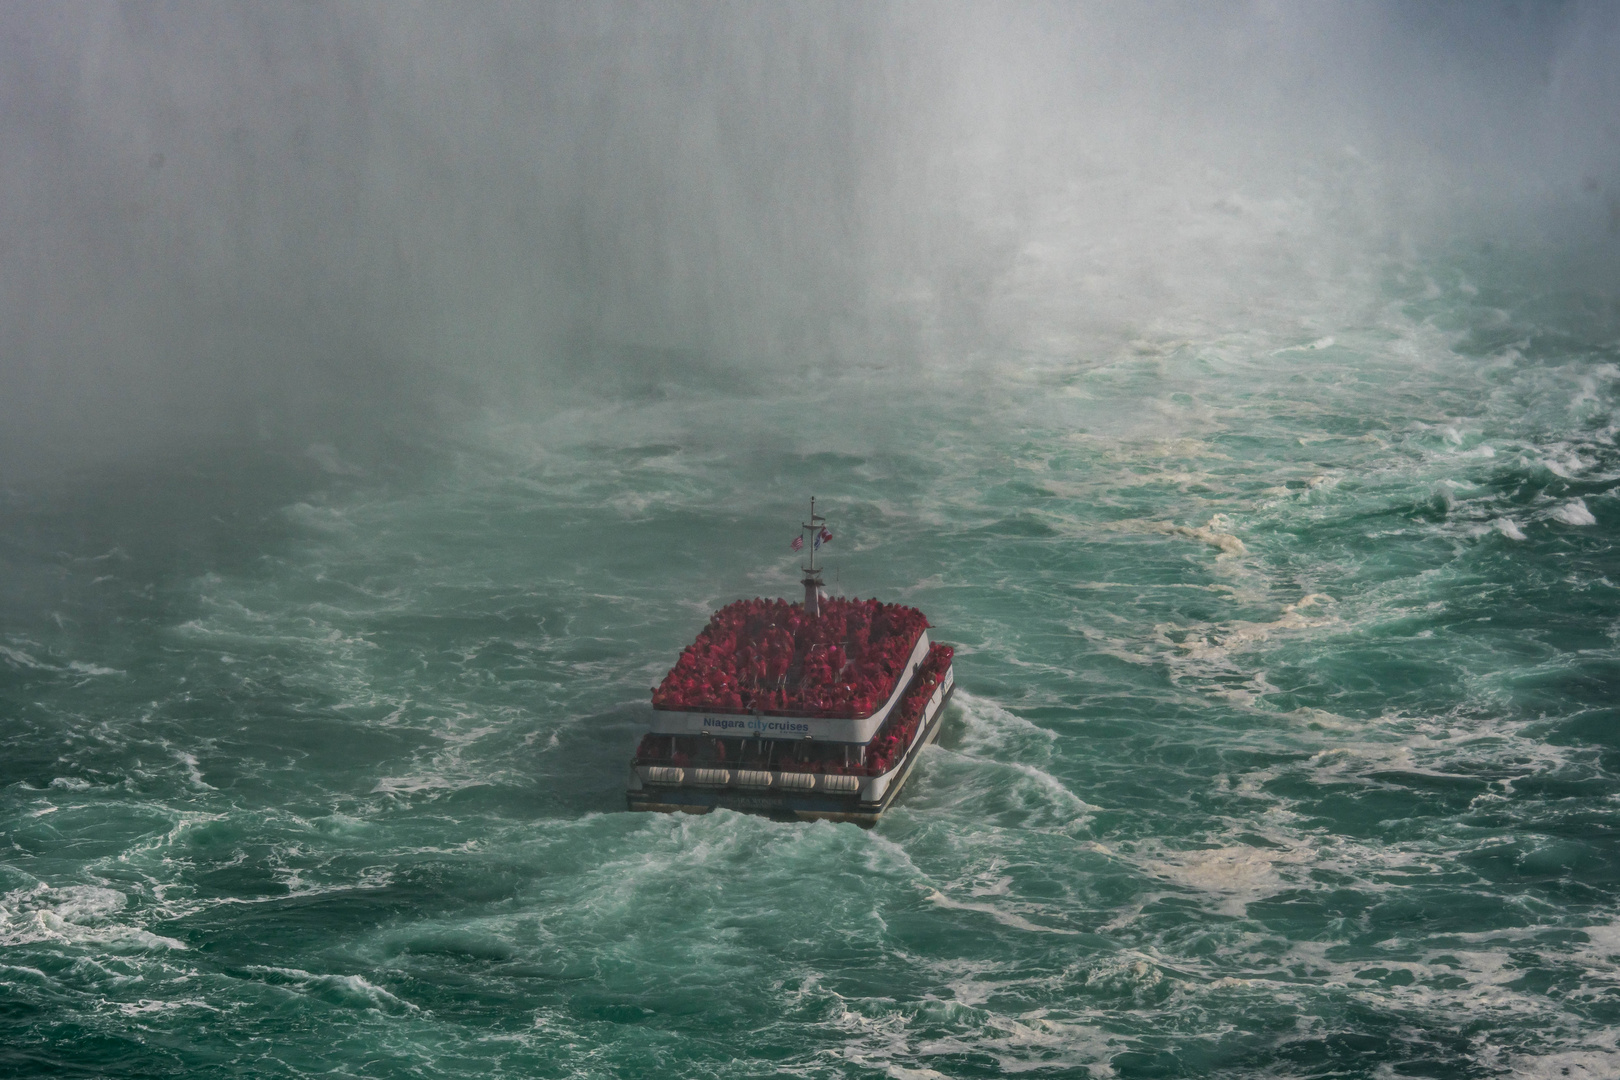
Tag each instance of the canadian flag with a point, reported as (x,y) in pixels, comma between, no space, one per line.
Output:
(823,537)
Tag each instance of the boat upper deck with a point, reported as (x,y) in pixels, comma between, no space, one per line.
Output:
(886,747)
(770,657)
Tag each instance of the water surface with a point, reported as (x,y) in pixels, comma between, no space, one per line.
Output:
(1285,742)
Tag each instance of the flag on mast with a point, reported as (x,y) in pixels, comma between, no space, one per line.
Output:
(824,536)
(798,543)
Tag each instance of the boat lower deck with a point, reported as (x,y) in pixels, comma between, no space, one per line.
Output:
(791,805)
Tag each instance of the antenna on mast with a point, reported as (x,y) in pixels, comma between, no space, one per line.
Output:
(812,574)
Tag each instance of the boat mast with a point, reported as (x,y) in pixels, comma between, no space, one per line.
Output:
(812,575)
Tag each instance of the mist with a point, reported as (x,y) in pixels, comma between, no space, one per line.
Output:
(233,225)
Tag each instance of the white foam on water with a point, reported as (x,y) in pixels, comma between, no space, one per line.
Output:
(1031,1043)
(1602,1063)
(998,913)
(81,915)
(1573,512)
(1214,651)
(1564,461)
(22,659)
(991,743)
(1235,875)
(1461,979)
(352,990)
(992,730)
(890,1035)
(193,773)
(1318,344)
(83,668)
(1508,528)
(450,766)
(1487,965)
(148,1006)
(421,784)
(1215,534)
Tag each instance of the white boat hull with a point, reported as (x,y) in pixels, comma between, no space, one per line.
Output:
(789,795)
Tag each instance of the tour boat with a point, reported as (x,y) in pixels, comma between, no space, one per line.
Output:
(802,710)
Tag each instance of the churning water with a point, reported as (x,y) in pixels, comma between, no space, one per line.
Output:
(388,391)
(1285,742)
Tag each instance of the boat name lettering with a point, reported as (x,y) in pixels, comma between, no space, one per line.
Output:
(753,723)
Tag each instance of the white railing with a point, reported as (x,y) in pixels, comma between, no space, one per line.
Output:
(870,787)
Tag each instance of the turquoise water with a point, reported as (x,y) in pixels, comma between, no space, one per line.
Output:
(1285,743)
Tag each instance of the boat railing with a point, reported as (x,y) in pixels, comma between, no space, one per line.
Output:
(694,755)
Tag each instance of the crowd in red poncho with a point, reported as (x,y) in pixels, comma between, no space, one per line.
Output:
(884,751)
(768,655)
(900,727)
